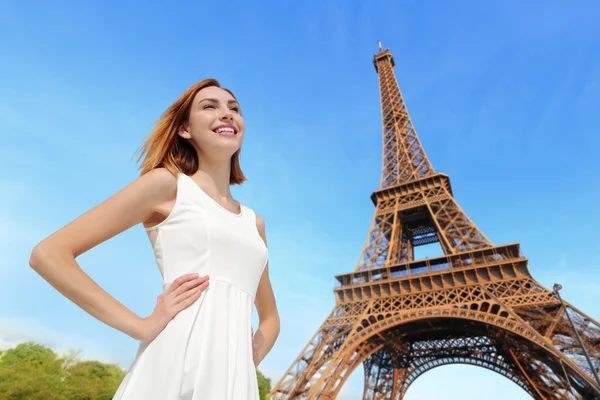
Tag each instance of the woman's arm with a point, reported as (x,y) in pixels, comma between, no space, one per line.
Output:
(54,257)
(268,328)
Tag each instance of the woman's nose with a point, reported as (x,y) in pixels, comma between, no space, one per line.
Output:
(226,113)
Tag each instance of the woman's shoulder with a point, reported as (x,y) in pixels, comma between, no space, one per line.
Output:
(161,183)
(258,220)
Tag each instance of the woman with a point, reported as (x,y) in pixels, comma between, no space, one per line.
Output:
(211,250)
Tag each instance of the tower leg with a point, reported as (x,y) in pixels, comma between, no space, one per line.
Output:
(379,376)
(398,390)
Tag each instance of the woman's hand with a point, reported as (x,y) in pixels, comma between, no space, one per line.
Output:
(181,294)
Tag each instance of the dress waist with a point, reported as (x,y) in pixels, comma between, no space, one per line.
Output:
(217,279)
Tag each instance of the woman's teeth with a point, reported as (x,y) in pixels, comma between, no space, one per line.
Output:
(225,131)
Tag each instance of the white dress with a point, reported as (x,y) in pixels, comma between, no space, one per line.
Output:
(205,352)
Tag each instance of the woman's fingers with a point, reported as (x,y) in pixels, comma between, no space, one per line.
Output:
(186,286)
(184,291)
(181,280)
(191,292)
(188,282)
(186,299)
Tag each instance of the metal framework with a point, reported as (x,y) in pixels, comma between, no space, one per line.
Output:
(478,304)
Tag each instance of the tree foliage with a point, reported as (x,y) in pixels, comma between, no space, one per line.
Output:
(31,371)
(264,385)
(34,372)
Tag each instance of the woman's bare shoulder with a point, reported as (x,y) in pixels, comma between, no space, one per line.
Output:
(160,184)
(260,226)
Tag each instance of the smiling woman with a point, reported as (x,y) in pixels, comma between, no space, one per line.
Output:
(171,145)
(210,249)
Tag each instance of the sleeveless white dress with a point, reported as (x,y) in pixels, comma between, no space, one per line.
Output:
(205,352)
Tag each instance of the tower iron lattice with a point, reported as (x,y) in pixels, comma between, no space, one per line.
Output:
(478,304)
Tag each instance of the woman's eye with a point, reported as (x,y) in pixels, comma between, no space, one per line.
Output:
(208,106)
(236,109)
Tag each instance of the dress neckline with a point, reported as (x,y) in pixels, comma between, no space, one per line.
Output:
(216,203)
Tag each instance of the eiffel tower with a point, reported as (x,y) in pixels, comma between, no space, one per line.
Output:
(477,305)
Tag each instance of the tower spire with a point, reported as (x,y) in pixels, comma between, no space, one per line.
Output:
(404,159)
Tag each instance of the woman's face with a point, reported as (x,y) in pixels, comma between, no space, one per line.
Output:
(215,126)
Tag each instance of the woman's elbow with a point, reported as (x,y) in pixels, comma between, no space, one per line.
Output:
(276,325)
(36,257)
(40,255)
(272,321)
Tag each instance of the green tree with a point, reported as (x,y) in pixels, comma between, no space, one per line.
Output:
(264,385)
(92,380)
(30,371)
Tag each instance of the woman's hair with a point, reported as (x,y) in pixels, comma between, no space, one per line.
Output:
(165,148)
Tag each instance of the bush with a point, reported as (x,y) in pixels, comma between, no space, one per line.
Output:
(32,371)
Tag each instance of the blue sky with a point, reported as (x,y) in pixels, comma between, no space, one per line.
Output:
(504,96)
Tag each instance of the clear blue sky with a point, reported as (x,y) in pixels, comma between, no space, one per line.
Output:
(504,96)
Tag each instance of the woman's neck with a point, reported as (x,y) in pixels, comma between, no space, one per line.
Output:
(215,176)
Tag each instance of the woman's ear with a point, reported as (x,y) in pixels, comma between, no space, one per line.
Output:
(184,131)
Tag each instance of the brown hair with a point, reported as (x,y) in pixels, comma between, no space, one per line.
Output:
(165,148)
